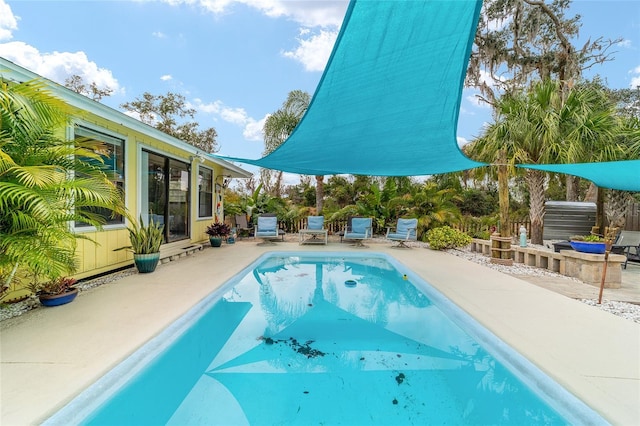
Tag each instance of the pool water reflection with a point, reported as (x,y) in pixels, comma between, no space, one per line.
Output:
(336,339)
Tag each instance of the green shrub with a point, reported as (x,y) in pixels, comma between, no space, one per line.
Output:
(587,238)
(446,237)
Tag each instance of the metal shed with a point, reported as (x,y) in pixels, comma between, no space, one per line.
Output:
(562,219)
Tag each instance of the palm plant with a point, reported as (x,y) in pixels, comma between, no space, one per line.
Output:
(540,126)
(434,207)
(46,183)
(145,239)
(279,126)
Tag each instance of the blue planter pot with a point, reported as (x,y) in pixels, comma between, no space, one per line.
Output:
(58,299)
(146,262)
(215,241)
(588,247)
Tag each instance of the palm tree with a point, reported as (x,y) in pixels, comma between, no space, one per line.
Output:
(433,206)
(279,126)
(539,126)
(46,183)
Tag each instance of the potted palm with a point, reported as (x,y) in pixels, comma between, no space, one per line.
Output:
(216,232)
(145,244)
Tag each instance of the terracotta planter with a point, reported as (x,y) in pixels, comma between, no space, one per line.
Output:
(146,262)
(58,299)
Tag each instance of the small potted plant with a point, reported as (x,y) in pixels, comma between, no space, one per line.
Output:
(145,244)
(216,232)
(56,291)
(588,243)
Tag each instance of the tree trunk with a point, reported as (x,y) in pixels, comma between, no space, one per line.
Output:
(592,193)
(535,181)
(616,208)
(572,188)
(501,252)
(319,194)
(503,197)
(600,215)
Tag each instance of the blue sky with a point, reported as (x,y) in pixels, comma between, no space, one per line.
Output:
(235,61)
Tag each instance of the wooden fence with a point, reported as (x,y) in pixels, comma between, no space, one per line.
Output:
(335,227)
(470,227)
(633,217)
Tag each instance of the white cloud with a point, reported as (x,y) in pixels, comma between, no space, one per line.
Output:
(252,128)
(625,43)
(313,50)
(635,79)
(166,77)
(314,47)
(462,141)
(58,66)
(306,13)
(8,22)
(159,34)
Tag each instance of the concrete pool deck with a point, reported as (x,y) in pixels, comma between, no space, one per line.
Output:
(49,355)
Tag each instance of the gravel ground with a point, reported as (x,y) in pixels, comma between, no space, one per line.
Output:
(625,310)
(628,311)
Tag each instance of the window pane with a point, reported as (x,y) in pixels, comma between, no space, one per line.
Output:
(113,157)
(205,192)
(178,200)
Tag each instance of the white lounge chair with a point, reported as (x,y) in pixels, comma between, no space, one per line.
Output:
(315,232)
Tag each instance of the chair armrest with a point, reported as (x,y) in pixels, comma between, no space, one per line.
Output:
(409,232)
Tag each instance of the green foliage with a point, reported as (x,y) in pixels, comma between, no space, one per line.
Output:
(587,238)
(478,203)
(145,239)
(45,184)
(446,237)
(55,286)
(218,229)
(164,112)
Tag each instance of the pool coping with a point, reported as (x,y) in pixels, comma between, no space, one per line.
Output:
(605,375)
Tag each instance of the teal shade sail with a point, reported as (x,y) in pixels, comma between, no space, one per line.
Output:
(388,101)
(622,175)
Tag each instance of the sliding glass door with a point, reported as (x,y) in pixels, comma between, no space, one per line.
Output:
(165,194)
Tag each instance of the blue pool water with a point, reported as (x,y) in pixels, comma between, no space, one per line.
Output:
(292,340)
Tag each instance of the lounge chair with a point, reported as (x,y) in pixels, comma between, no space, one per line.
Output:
(280,231)
(346,228)
(267,229)
(315,232)
(361,230)
(243,228)
(405,230)
(628,243)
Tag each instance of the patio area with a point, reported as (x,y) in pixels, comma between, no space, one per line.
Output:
(50,355)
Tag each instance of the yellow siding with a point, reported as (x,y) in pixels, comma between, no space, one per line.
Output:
(95,259)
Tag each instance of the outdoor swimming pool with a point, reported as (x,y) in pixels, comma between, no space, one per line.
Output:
(336,338)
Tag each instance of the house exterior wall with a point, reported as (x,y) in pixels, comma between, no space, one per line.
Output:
(95,253)
(99,258)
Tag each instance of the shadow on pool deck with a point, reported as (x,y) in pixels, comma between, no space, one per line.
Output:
(49,355)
